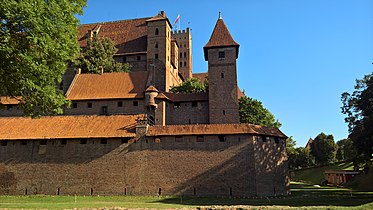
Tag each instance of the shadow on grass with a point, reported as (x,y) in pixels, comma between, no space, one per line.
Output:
(302,194)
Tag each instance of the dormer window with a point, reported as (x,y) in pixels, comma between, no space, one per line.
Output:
(156,31)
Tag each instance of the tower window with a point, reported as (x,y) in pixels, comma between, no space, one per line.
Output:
(185,64)
(221,55)
(181,64)
(135,103)
(223,112)
(181,55)
(222,75)
(156,56)
(138,57)
(156,31)
(156,45)
(184,54)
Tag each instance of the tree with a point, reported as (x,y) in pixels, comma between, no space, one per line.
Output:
(191,85)
(252,111)
(99,54)
(298,157)
(324,149)
(346,150)
(37,39)
(358,107)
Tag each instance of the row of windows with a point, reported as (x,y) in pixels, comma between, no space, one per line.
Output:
(61,142)
(138,58)
(90,104)
(181,55)
(267,139)
(185,64)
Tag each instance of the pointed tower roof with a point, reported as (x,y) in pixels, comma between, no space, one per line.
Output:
(220,38)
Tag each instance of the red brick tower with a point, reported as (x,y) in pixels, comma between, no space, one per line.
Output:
(221,53)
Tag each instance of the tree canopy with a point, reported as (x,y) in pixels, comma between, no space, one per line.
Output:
(252,111)
(99,54)
(191,85)
(324,149)
(358,107)
(37,39)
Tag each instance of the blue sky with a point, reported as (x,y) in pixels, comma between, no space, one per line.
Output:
(297,57)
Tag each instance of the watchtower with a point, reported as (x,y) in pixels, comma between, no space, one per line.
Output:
(221,52)
(184,40)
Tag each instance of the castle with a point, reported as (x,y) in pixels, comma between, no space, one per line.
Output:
(126,134)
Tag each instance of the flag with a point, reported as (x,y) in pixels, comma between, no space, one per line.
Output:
(177,19)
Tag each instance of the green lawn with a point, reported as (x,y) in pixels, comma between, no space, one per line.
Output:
(302,195)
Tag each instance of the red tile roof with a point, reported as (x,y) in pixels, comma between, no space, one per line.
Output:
(108,86)
(129,36)
(213,129)
(220,38)
(65,127)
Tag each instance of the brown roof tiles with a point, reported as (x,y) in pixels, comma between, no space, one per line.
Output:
(64,127)
(129,36)
(213,129)
(220,38)
(6,100)
(108,86)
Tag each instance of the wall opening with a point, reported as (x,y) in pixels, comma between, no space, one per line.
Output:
(91,191)
(58,191)
(63,141)
(24,142)
(103,141)
(223,112)
(124,140)
(120,103)
(104,110)
(135,103)
(222,75)
(230,191)
(43,142)
(4,143)
(156,31)
(89,105)
(125,191)
(26,191)
(194,191)
(222,138)
(159,192)
(277,140)
(83,141)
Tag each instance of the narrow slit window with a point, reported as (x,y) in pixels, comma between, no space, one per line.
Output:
(222,75)
(156,31)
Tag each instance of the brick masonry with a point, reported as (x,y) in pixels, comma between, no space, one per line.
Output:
(232,165)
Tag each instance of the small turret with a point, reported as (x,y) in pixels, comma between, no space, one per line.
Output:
(150,93)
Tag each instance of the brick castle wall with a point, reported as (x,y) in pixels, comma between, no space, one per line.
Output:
(190,165)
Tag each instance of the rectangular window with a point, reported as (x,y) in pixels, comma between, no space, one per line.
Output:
(103,141)
(75,105)
(135,103)
(264,138)
(221,55)
(24,142)
(277,140)
(124,59)
(83,141)
(89,105)
(63,141)
(222,75)
(200,139)
(181,55)
(156,56)
(138,58)
(120,104)
(43,142)
(104,110)
(194,103)
(4,143)
(222,138)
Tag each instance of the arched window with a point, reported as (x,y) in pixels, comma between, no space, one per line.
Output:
(185,64)
(184,54)
(156,45)
(156,31)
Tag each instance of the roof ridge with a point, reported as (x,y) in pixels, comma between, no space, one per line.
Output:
(114,21)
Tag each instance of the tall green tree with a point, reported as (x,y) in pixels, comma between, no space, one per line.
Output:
(97,55)
(358,107)
(252,111)
(37,38)
(324,149)
(346,150)
(192,85)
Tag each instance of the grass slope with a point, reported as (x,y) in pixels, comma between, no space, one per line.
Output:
(303,195)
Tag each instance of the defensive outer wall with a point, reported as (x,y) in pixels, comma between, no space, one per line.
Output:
(210,165)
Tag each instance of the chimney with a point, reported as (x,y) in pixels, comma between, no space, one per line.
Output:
(163,14)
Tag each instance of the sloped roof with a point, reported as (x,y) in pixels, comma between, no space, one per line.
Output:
(6,100)
(108,86)
(129,36)
(183,97)
(65,127)
(213,129)
(220,38)
(200,76)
